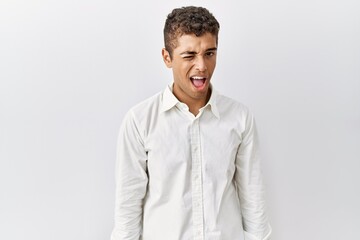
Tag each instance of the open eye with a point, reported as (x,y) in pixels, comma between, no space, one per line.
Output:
(210,54)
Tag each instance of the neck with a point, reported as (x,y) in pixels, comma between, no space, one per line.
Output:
(193,103)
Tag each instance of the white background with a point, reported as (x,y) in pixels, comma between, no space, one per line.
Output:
(69,70)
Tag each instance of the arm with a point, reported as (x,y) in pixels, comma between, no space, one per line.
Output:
(250,185)
(131,182)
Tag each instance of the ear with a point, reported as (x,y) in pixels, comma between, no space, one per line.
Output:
(166,57)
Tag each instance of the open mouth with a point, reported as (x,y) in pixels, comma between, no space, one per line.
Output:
(198,81)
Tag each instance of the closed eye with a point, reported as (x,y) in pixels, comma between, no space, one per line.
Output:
(188,57)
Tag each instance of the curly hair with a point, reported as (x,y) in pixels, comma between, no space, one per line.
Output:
(188,20)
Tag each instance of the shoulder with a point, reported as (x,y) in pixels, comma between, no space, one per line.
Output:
(230,106)
(143,113)
(147,106)
(234,113)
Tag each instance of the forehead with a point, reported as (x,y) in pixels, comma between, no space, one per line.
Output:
(187,42)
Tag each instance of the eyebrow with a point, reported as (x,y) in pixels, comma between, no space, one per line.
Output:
(193,52)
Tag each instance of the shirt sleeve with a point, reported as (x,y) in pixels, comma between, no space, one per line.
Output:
(131,181)
(250,186)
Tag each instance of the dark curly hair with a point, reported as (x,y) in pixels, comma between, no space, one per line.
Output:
(188,20)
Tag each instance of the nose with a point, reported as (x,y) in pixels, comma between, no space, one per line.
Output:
(200,64)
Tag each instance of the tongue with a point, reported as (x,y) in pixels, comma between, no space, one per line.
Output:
(198,82)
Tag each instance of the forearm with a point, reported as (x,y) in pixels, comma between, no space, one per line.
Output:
(131,182)
(129,210)
(250,185)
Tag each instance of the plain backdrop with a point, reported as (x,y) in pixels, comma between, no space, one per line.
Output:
(70,69)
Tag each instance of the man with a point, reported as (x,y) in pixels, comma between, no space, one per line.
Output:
(187,160)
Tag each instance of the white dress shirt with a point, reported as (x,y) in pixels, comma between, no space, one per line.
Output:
(186,177)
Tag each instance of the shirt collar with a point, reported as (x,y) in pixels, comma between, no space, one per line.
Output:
(212,102)
(169,100)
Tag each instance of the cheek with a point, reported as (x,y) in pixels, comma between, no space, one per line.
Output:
(212,65)
(185,68)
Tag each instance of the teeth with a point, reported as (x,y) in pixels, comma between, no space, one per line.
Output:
(198,78)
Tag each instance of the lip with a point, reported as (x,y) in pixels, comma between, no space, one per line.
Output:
(200,77)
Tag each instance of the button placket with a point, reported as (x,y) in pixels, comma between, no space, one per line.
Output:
(196,175)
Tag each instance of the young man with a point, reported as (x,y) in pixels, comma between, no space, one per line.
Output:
(187,160)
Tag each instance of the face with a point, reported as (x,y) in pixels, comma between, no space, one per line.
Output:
(193,62)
